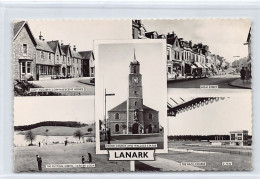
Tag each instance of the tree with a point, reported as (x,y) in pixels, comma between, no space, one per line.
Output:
(90,130)
(78,133)
(30,136)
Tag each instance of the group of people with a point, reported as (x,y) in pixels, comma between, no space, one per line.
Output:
(89,158)
(245,74)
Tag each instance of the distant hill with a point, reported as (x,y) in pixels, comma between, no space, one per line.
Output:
(50,123)
(60,130)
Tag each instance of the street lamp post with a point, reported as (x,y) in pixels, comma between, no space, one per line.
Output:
(106,94)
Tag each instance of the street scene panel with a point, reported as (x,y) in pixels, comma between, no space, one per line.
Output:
(129,105)
(48,61)
(200,53)
(205,134)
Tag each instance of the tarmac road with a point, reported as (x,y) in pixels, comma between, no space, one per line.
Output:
(222,82)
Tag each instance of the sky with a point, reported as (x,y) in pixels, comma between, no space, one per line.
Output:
(113,66)
(230,114)
(31,110)
(224,37)
(81,32)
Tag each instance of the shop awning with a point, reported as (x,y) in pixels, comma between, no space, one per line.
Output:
(193,66)
(209,65)
(199,65)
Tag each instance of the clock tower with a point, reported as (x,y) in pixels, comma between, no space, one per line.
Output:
(135,99)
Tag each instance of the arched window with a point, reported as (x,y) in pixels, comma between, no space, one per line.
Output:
(135,103)
(150,116)
(116,127)
(117,116)
(134,69)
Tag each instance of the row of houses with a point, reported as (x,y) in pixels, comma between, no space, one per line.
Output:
(36,58)
(182,54)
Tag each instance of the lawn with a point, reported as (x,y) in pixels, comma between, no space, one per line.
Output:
(213,160)
(25,158)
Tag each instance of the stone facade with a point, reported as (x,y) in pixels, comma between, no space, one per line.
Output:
(35,59)
(184,54)
(24,53)
(132,116)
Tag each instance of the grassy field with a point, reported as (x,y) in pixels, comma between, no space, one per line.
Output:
(205,146)
(25,158)
(59,130)
(213,160)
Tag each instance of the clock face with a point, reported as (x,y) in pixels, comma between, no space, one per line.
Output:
(135,79)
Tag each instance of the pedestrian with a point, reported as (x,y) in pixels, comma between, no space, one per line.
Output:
(243,74)
(247,72)
(89,157)
(66,142)
(82,159)
(39,144)
(39,161)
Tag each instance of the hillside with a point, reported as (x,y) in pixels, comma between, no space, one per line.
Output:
(50,123)
(60,130)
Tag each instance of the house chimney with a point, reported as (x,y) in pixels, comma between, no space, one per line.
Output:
(190,43)
(40,36)
(74,48)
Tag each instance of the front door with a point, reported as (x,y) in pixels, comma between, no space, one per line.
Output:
(150,128)
(63,71)
(135,128)
(37,72)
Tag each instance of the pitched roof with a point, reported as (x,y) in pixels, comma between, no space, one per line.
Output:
(43,45)
(53,45)
(65,49)
(171,40)
(249,35)
(149,34)
(86,54)
(17,27)
(122,107)
(148,108)
(75,54)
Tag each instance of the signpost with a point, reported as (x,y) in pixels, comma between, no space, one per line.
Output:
(106,94)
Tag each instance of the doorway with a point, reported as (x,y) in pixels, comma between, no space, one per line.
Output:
(135,128)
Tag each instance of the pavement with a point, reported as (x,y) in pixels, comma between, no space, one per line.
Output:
(87,82)
(239,83)
(190,150)
(170,165)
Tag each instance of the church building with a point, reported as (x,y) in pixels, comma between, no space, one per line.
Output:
(132,116)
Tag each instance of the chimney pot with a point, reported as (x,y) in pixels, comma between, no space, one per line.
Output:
(40,36)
